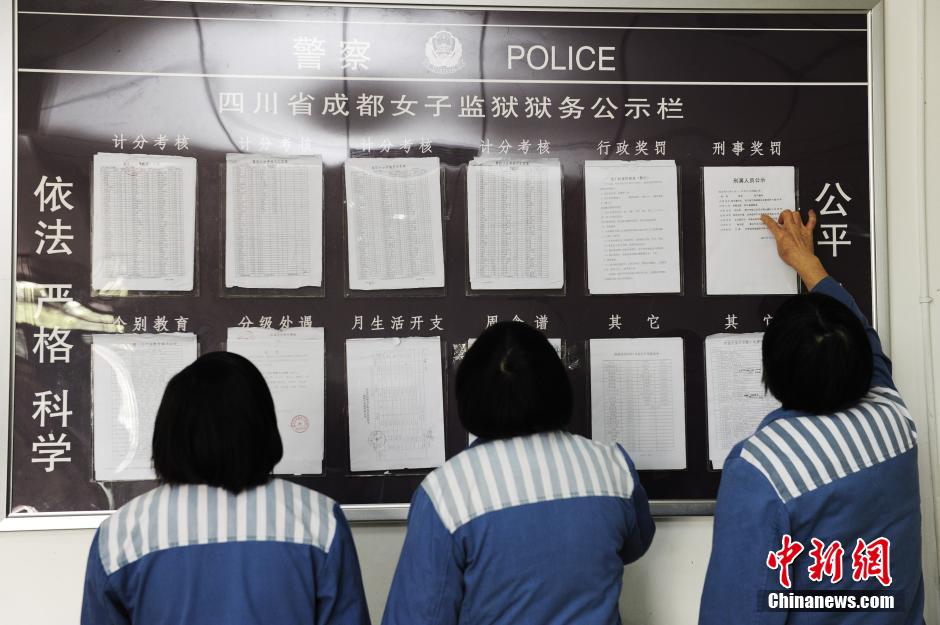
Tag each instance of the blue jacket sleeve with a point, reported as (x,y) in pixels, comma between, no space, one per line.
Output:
(641,537)
(428,584)
(881,365)
(100,604)
(341,599)
(750,521)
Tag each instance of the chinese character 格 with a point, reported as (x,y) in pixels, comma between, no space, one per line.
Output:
(52,344)
(782,559)
(53,195)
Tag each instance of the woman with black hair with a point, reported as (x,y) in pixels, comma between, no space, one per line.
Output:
(821,504)
(220,541)
(531,524)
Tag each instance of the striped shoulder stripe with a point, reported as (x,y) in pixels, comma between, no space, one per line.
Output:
(197,514)
(527,469)
(799,455)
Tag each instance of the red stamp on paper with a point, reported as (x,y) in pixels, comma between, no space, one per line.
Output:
(300,424)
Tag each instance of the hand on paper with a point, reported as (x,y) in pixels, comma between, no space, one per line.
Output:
(795,244)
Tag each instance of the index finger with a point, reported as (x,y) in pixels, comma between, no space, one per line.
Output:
(772,225)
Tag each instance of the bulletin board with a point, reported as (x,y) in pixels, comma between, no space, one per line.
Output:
(205,79)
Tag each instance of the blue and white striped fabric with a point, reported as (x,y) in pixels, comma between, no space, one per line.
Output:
(278,553)
(799,455)
(177,516)
(524,470)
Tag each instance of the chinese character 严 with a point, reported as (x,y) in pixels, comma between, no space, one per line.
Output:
(49,293)
(782,559)
(53,195)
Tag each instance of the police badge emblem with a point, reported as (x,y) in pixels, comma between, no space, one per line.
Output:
(443,53)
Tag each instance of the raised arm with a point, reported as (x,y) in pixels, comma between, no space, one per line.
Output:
(795,247)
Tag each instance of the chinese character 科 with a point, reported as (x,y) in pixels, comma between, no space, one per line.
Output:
(285,322)
(834,235)
(51,405)
(718,148)
(306,321)
(491,320)
(403,106)
(53,195)
(54,344)
(737,147)
(603,148)
(301,104)
(416,322)
(436,321)
(731,322)
(537,107)
(53,449)
(872,559)
(603,108)
(636,108)
(398,322)
(543,147)
(614,323)
(504,147)
(503,106)
(57,237)
(335,105)
(308,51)
(827,209)
(471,106)
(140,324)
(354,54)
(160,142)
(181,323)
(653,320)
(782,559)
(265,322)
(757,148)
(541,322)
(245,322)
(767,319)
(370,105)
(48,293)
(377,324)
(570,108)
(140,142)
(671,109)
(182,143)
(826,562)
(160,324)
(524,146)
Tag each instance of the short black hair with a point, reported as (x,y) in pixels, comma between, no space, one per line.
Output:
(216,425)
(816,355)
(511,382)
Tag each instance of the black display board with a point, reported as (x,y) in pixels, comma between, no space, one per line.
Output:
(164,78)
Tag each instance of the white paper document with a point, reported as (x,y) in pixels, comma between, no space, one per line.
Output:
(514,227)
(396,406)
(143,223)
(632,210)
(273,221)
(638,399)
(129,375)
(393,218)
(737,401)
(740,253)
(291,362)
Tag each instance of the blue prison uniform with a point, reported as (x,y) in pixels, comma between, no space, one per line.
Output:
(531,529)
(278,553)
(844,476)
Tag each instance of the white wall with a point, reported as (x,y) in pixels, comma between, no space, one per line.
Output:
(41,572)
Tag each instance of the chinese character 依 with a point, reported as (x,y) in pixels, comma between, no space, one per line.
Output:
(51,405)
(53,195)
(782,559)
